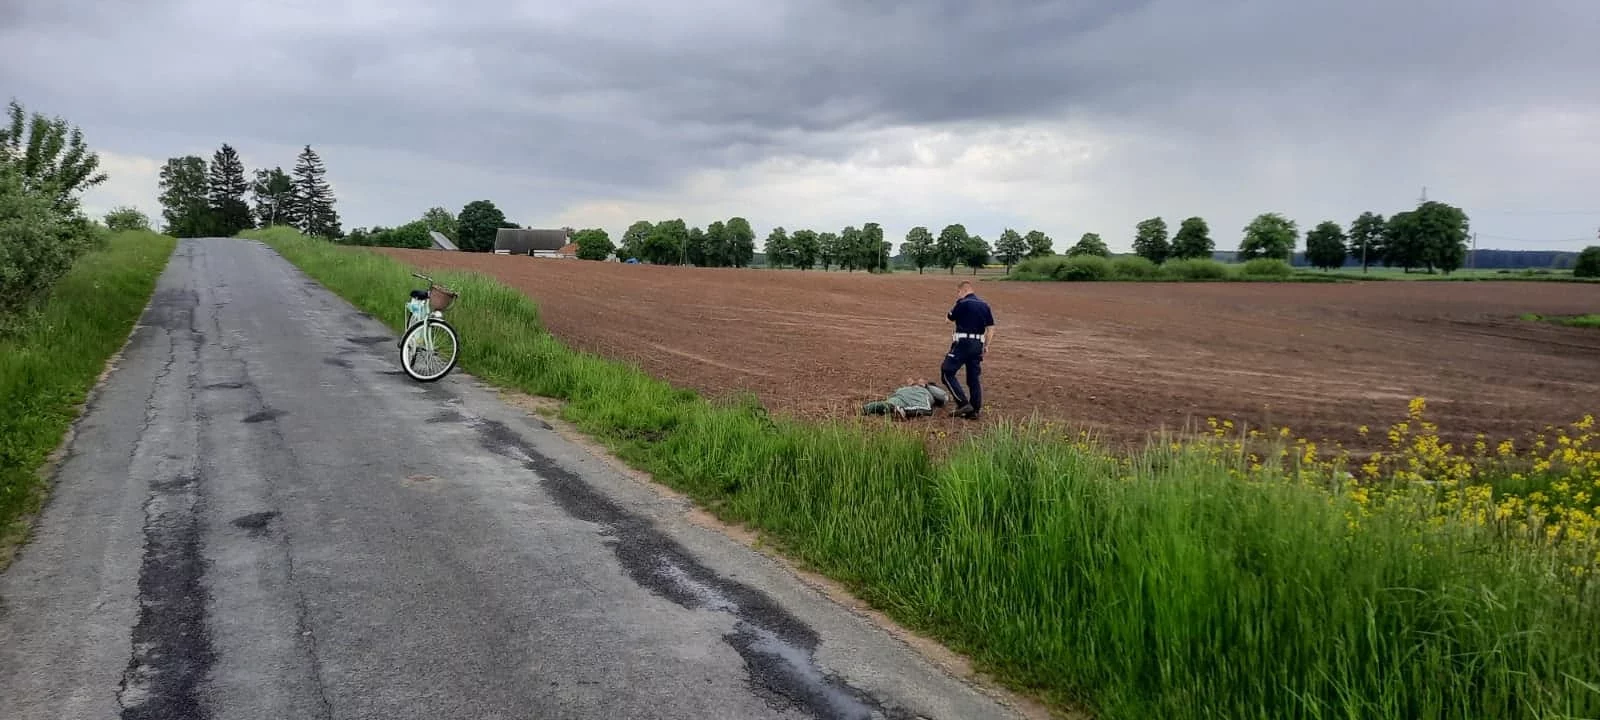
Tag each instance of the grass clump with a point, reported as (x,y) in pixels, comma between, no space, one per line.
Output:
(51,356)
(1591,320)
(1179,582)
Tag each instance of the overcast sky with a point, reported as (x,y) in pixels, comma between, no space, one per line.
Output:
(1067,117)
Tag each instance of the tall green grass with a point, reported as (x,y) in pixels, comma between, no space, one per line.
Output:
(1151,586)
(1591,320)
(50,358)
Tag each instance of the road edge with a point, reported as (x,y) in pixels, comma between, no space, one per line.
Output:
(14,539)
(941,656)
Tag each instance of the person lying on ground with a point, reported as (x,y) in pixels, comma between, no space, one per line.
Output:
(917,398)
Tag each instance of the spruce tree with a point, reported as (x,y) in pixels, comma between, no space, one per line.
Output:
(225,189)
(313,198)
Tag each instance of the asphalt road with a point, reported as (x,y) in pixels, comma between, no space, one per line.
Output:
(261,517)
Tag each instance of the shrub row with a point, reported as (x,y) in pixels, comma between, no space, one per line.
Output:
(1091,268)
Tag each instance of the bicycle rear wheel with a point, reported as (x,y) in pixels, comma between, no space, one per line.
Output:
(429,350)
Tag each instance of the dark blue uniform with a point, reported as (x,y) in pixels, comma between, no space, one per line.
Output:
(972,317)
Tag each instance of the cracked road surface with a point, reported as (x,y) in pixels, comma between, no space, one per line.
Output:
(260,516)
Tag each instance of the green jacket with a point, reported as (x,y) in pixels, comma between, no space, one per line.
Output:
(912,399)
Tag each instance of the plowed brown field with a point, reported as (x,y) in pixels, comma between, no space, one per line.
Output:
(1125,358)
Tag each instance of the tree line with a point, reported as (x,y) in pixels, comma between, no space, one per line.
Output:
(202,200)
(472,230)
(732,244)
(1431,236)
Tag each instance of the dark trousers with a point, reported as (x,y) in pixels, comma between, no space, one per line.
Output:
(968,352)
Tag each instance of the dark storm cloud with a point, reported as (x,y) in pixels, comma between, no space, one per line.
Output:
(633,93)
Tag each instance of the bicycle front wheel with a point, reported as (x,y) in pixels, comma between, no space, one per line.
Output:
(429,350)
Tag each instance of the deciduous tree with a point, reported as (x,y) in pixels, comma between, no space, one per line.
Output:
(48,156)
(951,249)
(1150,241)
(1039,244)
(477,226)
(440,220)
(741,243)
(1325,245)
(873,256)
(777,248)
(1588,265)
(593,244)
(1269,235)
(273,193)
(1089,244)
(829,249)
(919,248)
(632,239)
(805,248)
(664,245)
(975,254)
(1367,238)
(184,205)
(849,256)
(694,249)
(1193,240)
(1011,248)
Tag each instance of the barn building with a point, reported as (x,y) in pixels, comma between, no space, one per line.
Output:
(524,241)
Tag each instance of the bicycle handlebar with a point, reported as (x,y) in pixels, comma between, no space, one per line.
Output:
(424,277)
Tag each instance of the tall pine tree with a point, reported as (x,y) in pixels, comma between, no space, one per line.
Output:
(313,198)
(225,191)
(274,198)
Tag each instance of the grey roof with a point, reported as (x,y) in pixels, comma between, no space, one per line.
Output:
(440,242)
(523,241)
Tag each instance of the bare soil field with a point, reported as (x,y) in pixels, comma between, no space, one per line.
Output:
(1121,358)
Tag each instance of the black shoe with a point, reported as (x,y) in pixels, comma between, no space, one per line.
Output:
(965,411)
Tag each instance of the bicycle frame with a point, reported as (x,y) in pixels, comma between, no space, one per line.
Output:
(417,311)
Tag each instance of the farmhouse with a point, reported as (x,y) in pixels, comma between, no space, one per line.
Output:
(526,241)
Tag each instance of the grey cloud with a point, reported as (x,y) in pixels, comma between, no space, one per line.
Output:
(630,94)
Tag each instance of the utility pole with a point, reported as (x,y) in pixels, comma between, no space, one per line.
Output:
(1473,256)
(1363,253)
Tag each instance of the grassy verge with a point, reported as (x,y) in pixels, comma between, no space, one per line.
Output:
(1592,320)
(1175,583)
(49,361)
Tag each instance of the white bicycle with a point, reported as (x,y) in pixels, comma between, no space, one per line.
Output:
(430,347)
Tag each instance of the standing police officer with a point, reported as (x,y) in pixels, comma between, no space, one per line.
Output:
(974,329)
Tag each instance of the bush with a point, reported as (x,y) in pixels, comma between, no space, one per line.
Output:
(124,218)
(1588,263)
(1084,268)
(1266,267)
(1134,267)
(40,244)
(1195,270)
(1045,266)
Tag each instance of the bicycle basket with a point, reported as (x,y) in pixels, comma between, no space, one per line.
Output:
(440,298)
